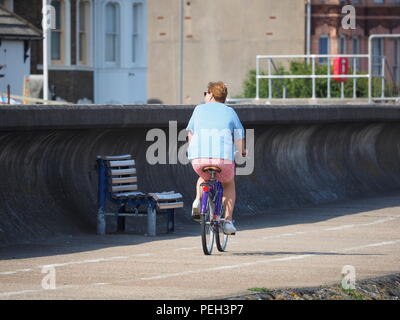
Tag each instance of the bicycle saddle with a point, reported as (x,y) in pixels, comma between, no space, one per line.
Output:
(211,168)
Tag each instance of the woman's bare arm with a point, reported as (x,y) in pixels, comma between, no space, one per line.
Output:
(190,135)
(241,146)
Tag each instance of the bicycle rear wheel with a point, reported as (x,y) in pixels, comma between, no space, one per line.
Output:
(221,239)
(207,230)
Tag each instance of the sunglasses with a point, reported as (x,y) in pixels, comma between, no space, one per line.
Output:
(205,93)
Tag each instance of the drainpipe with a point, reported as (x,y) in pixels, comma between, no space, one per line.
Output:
(45,27)
(180,81)
(308,36)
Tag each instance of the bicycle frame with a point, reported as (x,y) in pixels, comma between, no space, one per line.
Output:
(211,212)
(214,188)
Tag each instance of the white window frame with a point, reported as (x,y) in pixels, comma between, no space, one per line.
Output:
(137,33)
(65,41)
(88,31)
(61,32)
(117,35)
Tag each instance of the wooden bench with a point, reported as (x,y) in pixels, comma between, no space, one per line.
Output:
(118,184)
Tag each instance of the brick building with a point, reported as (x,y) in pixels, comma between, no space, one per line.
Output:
(372,17)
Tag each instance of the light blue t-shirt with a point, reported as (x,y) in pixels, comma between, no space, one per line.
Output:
(214,126)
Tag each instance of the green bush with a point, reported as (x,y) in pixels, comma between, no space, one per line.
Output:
(302,88)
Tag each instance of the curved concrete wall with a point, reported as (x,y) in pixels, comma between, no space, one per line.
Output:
(303,155)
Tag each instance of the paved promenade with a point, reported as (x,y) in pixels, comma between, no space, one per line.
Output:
(277,249)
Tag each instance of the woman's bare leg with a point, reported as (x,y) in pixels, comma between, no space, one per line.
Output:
(229,198)
(200,180)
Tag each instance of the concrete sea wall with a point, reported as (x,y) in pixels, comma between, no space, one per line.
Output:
(303,155)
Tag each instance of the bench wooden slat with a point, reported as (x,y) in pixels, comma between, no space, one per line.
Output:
(128,195)
(123,163)
(164,192)
(165,196)
(119,157)
(127,187)
(169,205)
(126,214)
(168,197)
(122,172)
(123,180)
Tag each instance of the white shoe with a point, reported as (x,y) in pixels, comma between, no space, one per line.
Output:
(196,210)
(228,227)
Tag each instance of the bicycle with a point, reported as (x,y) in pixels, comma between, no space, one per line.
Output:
(212,213)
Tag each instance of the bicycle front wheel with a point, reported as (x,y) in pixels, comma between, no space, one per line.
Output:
(221,239)
(207,230)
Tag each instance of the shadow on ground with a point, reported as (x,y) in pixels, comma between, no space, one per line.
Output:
(82,242)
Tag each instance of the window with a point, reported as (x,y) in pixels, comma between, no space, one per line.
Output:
(60,37)
(355,44)
(84,32)
(378,1)
(137,7)
(396,61)
(377,50)
(323,47)
(342,44)
(111,45)
(57,34)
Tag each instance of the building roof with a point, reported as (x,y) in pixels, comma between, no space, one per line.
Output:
(14,27)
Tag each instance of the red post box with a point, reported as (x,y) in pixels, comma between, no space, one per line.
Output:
(340,67)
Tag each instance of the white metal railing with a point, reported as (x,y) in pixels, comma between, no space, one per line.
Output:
(371,37)
(355,58)
(312,76)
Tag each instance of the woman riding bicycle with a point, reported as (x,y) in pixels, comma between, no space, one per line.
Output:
(214,130)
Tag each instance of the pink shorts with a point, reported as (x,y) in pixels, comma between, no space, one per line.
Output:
(227,168)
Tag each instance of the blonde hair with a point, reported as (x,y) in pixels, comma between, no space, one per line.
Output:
(218,90)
